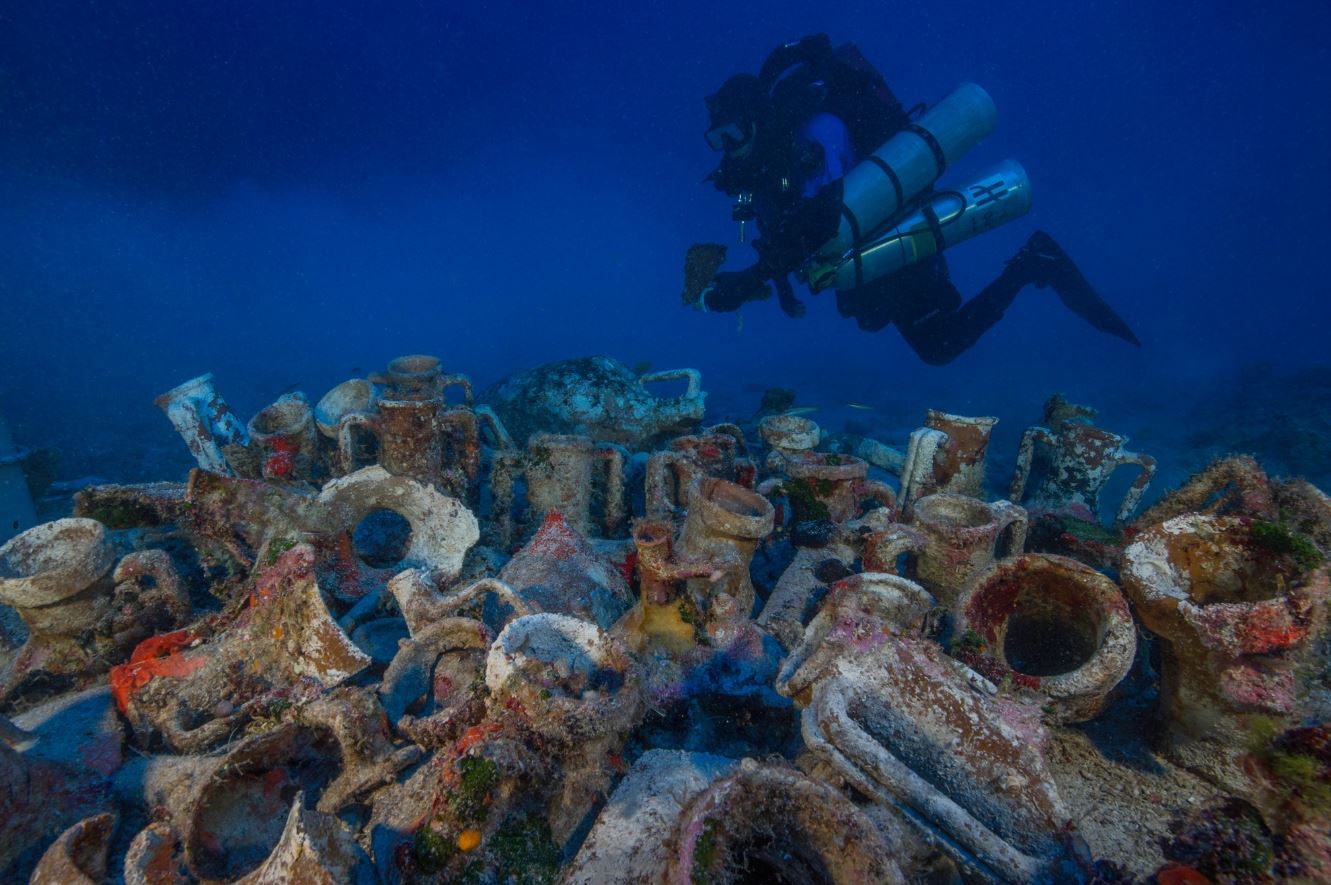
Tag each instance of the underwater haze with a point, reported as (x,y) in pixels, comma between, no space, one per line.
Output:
(290,194)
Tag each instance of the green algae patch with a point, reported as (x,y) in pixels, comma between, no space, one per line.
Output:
(1276,537)
(478,776)
(704,854)
(276,548)
(804,504)
(525,851)
(430,852)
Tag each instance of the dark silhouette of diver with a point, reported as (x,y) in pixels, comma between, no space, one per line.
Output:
(789,136)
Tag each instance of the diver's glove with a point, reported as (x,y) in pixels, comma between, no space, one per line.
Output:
(731,289)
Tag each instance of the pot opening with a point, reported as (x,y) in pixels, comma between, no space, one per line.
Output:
(1053,629)
(241,818)
(287,416)
(954,511)
(1226,567)
(734,499)
(42,550)
(382,538)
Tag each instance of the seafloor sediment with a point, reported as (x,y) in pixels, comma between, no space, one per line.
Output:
(565,631)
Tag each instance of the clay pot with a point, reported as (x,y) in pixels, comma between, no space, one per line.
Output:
(155,857)
(348,415)
(231,810)
(1081,460)
(418,376)
(633,838)
(574,681)
(962,536)
(724,525)
(410,443)
(947,455)
(598,397)
(669,474)
(1237,620)
(56,576)
(1049,625)
(442,529)
(881,548)
(776,825)
(906,726)
(859,613)
(559,470)
(911,731)
(313,847)
(285,441)
(205,421)
(562,479)
(421,377)
(832,483)
(788,435)
(353,397)
(664,614)
(79,856)
(559,570)
(193,695)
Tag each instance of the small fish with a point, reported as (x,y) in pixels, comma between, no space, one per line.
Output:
(800,410)
(863,407)
(739,322)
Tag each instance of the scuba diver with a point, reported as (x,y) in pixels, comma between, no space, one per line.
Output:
(840,181)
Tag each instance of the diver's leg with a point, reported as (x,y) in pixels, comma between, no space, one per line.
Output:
(1043,262)
(939,334)
(908,292)
(938,327)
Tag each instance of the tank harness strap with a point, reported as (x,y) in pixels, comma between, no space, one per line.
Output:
(935,227)
(928,138)
(855,243)
(891,176)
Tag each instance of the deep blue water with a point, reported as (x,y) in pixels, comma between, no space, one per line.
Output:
(282,193)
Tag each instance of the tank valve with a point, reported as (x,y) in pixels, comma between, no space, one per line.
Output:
(742,212)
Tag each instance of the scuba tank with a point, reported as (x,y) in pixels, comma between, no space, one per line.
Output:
(944,219)
(881,187)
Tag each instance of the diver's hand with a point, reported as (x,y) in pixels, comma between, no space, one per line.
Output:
(731,289)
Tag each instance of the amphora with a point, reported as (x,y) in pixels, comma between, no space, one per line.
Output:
(962,536)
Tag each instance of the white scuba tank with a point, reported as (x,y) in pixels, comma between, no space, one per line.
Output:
(885,183)
(946,218)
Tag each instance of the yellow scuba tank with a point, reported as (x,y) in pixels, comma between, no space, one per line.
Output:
(946,218)
(882,186)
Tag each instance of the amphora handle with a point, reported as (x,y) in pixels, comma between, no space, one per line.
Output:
(1133,496)
(1010,515)
(1025,455)
(615,508)
(447,381)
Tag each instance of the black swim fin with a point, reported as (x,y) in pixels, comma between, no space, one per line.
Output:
(1051,266)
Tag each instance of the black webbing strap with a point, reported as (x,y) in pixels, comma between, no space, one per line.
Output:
(928,137)
(891,176)
(855,243)
(935,227)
